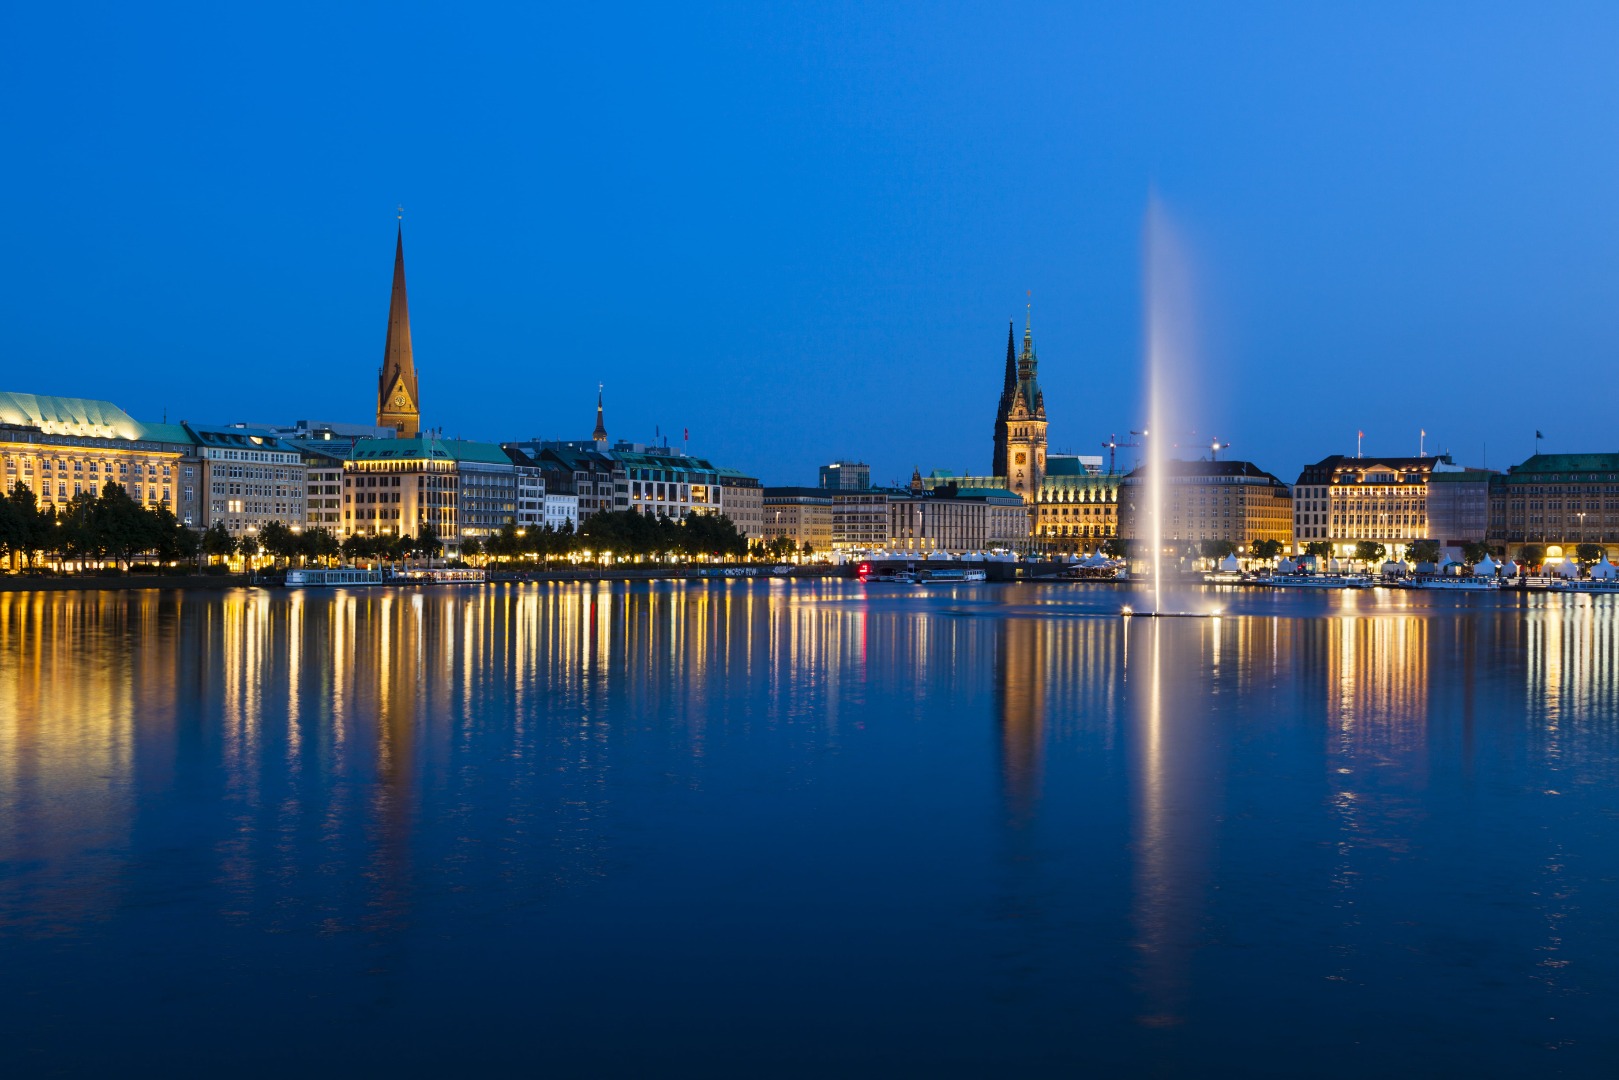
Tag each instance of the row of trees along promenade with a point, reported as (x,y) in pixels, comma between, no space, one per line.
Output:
(94,532)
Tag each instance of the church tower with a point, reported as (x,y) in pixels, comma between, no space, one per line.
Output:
(398,405)
(1026,425)
(599,436)
(1008,388)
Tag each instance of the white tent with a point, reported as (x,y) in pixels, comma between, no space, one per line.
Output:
(1334,565)
(1568,569)
(1450,567)
(1485,568)
(1604,570)
(1287,566)
(1230,565)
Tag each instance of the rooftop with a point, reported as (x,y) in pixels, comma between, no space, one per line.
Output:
(429,449)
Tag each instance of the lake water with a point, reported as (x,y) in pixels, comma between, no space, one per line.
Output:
(759,828)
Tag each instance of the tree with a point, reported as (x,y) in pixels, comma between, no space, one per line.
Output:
(427,541)
(1116,547)
(1216,549)
(1321,549)
(217,542)
(1423,551)
(247,545)
(1475,552)
(318,543)
(117,526)
(1588,554)
(279,541)
(1370,551)
(1532,555)
(1266,549)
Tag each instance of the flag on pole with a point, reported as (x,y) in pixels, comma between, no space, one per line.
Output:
(686,434)
(1538,435)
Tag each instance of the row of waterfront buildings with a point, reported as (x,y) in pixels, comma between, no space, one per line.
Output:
(395,478)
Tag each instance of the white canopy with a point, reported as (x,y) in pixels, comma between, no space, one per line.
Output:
(1334,564)
(1230,565)
(1604,570)
(1485,568)
(1568,568)
(1287,566)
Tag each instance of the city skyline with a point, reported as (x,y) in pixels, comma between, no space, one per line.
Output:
(792,219)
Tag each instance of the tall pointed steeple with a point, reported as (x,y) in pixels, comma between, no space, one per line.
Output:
(1008,390)
(600,434)
(398,404)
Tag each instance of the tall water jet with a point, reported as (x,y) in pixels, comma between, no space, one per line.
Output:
(1167,310)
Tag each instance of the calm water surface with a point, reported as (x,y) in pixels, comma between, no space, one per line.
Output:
(765,829)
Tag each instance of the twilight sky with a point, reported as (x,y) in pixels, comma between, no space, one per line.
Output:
(800,232)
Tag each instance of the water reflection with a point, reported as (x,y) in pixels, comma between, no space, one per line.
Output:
(1144,808)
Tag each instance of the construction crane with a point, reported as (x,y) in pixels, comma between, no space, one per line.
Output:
(1215,447)
(1113,445)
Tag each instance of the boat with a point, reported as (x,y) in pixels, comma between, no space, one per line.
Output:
(348,577)
(953,575)
(437,575)
(1316,581)
(903,577)
(332,577)
(1453,584)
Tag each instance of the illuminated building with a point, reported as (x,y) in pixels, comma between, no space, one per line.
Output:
(1556,502)
(1021,422)
(1344,500)
(860,517)
(1078,507)
(392,487)
(59,447)
(742,499)
(957,520)
(801,514)
(249,478)
(1234,501)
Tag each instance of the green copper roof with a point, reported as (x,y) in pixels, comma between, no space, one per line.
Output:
(429,449)
(68,415)
(1568,463)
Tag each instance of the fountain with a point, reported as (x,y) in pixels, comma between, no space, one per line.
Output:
(1167,314)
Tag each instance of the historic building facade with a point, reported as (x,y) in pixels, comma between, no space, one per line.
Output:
(1344,500)
(392,487)
(800,514)
(1077,510)
(1022,416)
(956,520)
(1556,502)
(399,403)
(249,479)
(59,447)
(742,499)
(1233,501)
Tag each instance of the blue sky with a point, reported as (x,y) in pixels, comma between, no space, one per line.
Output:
(799,231)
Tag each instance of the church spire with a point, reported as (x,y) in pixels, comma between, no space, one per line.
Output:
(600,434)
(398,405)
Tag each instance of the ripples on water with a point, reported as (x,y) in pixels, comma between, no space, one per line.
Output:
(759,828)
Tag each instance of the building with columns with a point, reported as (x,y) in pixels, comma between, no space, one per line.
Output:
(59,447)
